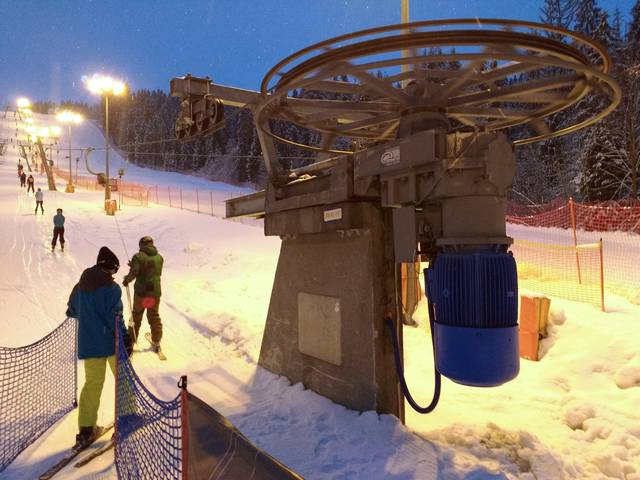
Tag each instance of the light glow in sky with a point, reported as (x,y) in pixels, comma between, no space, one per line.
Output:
(47,47)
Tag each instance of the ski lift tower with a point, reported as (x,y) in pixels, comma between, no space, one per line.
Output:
(415,161)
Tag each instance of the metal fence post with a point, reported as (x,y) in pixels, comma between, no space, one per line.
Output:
(180,199)
(211,198)
(184,426)
(169,189)
(197,201)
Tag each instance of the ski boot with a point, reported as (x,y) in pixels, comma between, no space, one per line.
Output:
(62,247)
(86,436)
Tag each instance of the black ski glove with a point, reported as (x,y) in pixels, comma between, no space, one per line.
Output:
(128,344)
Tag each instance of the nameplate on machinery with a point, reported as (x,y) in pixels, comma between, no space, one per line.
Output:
(333,214)
(390,157)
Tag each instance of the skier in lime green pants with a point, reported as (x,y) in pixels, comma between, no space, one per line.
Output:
(96,302)
(94,373)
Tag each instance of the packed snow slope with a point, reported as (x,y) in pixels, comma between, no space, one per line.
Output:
(574,415)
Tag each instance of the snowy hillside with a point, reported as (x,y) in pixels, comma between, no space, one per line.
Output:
(574,415)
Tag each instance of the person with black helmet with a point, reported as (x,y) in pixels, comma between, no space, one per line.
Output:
(146,269)
(96,302)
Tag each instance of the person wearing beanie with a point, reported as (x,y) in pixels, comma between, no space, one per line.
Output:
(96,302)
(146,269)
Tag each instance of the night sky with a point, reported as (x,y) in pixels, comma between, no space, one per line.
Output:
(46,46)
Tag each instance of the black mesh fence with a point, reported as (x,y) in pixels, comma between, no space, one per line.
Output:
(148,430)
(38,385)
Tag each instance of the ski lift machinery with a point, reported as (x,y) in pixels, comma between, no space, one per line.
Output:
(415,156)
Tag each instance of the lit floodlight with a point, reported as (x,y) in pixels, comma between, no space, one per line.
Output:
(55,131)
(105,86)
(23,103)
(67,116)
(101,85)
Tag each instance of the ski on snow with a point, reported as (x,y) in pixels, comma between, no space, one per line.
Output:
(73,453)
(161,355)
(95,454)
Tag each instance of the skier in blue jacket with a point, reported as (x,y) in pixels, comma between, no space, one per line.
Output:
(58,230)
(96,302)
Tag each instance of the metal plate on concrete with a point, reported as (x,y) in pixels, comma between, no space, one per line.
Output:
(319,326)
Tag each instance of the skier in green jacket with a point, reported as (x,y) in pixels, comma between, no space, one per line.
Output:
(146,269)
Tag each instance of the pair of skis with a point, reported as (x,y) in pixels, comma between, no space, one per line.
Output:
(158,352)
(77,450)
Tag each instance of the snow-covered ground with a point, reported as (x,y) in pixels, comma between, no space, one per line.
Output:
(575,414)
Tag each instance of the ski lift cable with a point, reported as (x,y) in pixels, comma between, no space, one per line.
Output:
(122,238)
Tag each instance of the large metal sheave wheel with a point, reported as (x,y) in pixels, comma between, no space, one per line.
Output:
(479,74)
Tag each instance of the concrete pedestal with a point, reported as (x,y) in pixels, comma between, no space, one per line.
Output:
(325,326)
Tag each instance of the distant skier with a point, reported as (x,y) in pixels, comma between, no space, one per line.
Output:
(23,179)
(146,269)
(30,181)
(39,200)
(96,302)
(58,230)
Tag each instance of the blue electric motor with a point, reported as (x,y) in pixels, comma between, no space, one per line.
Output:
(475,298)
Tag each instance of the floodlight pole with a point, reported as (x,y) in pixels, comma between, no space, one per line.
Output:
(70,188)
(107,187)
(404,13)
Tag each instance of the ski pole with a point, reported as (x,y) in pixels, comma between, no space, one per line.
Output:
(130,323)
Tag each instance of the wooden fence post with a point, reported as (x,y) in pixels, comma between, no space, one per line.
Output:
(157,195)
(197,201)
(572,214)
(601,276)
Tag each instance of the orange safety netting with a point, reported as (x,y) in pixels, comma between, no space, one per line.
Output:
(563,271)
(565,222)
(600,217)
(208,202)
(125,192)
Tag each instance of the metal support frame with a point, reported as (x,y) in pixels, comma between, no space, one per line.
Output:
(429,168)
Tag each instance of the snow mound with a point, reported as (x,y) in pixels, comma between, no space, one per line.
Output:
(575,415)
(613,467)
(557,316)
(193,247)
(518,454)
(628,376)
